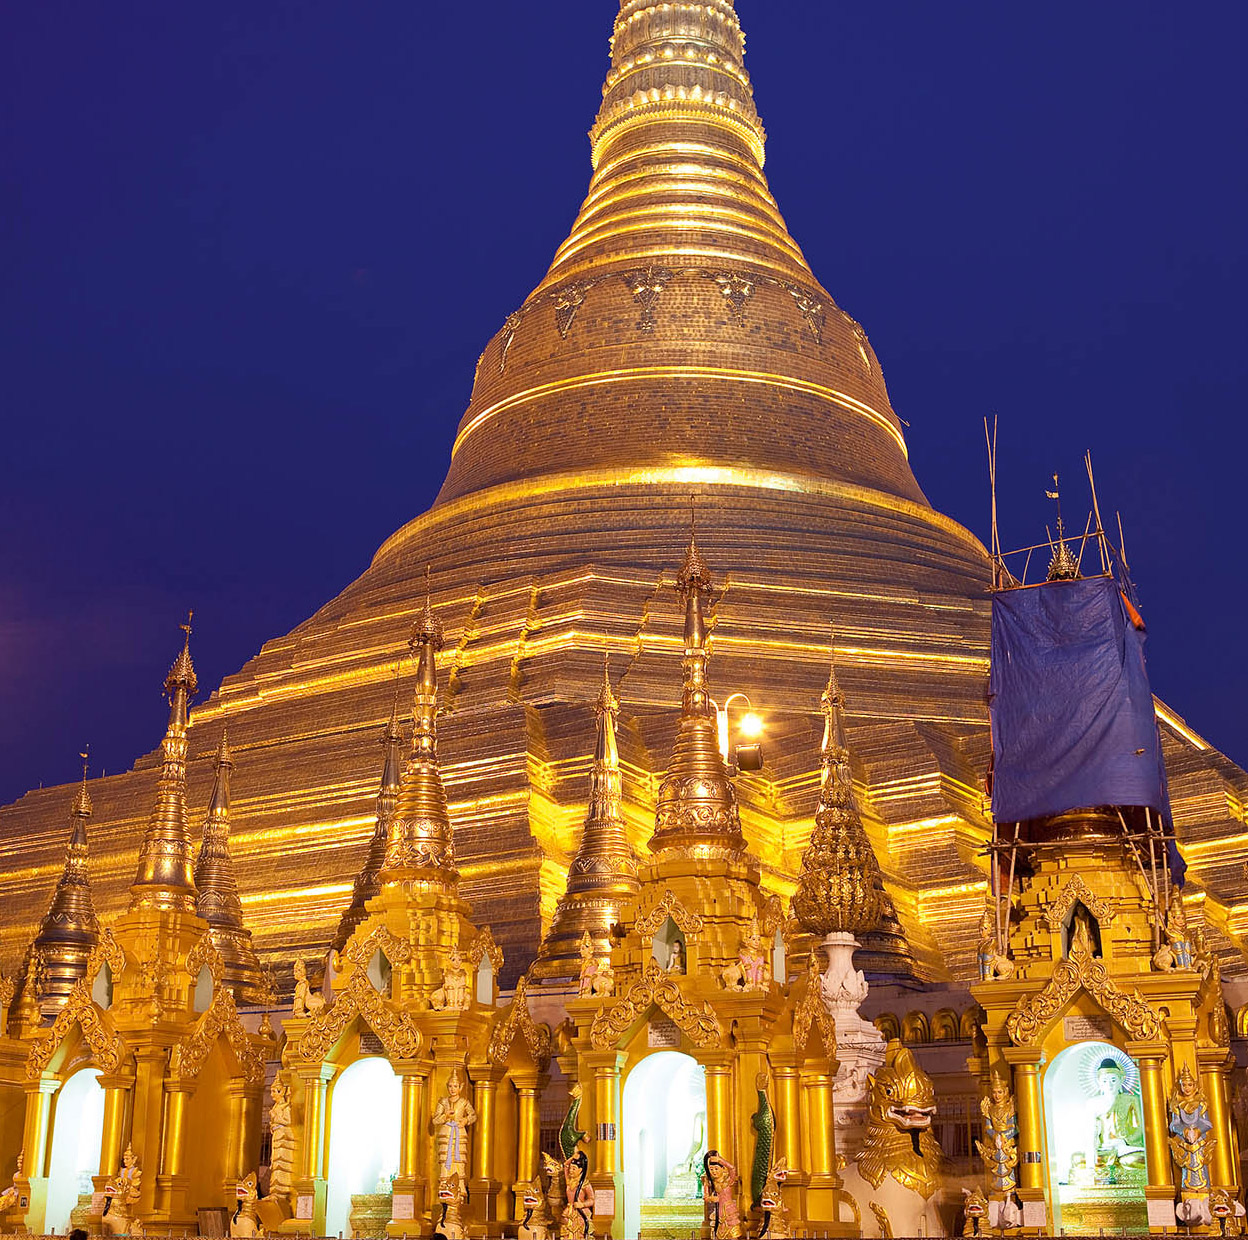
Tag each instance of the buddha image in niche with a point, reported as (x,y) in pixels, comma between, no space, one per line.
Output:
(1117,1116)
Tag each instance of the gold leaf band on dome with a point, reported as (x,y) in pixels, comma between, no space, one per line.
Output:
(667,373)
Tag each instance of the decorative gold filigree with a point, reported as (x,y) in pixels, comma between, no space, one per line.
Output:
(106,952)
(646,285)
(810,1010)
(567,300)
(205,953)
(507,337)
(811,308)
(736,289)
(187,1059)
(1076,890)
(1081,971)
(655,988)
(518,1019)
(401,1038)
(360,951)
(668,906)
(484,945)
(108,1049)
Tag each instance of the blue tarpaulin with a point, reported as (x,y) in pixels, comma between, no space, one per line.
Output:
(1073,723)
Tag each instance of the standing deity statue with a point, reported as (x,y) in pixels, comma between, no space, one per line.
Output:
(999,1148)
(719,1190)
(282,1144)
(307,1001)
(454,995)
(452,1118)
(122,1193)
(1191,1133)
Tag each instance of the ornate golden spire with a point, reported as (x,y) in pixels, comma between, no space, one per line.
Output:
(368,880)
(697,807)
(603,875)
(419,843)
(677,150)
(70,928)
(839,889)
(164,879)
(217,899)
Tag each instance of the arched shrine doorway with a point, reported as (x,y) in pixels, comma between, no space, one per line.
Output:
(364,1132)
(1094,1125)
(664,1141)
(77,1133)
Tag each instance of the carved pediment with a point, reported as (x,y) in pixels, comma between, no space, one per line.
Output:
(1033,1016)
(107,1046)
(220,1020)
(517,1019)
(811,1012)
(398,1034)
(656,988)
(1076,890)
(668,906)
(484,945)
(361,950)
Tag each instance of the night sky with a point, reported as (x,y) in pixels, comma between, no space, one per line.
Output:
(250,253)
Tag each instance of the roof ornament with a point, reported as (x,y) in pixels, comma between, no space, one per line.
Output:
(1063,566)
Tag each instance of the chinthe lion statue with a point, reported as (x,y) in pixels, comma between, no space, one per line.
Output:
(896,1176)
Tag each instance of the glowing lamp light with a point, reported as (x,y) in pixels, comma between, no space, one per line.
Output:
(751,726)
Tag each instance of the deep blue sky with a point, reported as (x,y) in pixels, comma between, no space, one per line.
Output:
(250,252)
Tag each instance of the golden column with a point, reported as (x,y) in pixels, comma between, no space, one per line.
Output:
(413,1104)
(113,1142)
(604,1151)
(314,1088)
(173,1146)
(38,1114)
(1151,1057)
(818,1122)
(485,1101)
(720,1130)
(788,1112)
(1026,1064)
(528,1124)
(1214,1065)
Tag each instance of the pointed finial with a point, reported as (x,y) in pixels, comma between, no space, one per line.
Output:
(1063,566)
(182,673)
(426,630)
(391,732)
(224,757)
(694,573)
(606,699)
(82,802)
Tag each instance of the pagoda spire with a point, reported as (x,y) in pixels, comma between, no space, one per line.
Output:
(70,928)
(839,888)
(368,880)
(697,806)
(678,84)
(216,888)
(164,879)
(419,842)
(603,876)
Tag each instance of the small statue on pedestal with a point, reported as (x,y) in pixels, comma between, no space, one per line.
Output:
(748,972)
(123,1197)
(282,1157)
(719,1190)
(452,1118)
(999,1148)
(992,962)
(597,976)
(454,994)
(307,1001)
(1191,1133)
(13,1194)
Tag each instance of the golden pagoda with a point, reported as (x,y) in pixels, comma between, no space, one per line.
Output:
(571,896)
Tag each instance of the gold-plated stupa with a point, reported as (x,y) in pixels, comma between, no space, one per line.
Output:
(368,880)
(70,929)
(216,887)
(678,345)
(164,879)
(603,874)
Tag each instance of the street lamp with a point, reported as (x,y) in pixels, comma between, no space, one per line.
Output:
(748,757)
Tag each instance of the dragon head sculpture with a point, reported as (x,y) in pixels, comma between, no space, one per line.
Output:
(901,1104)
